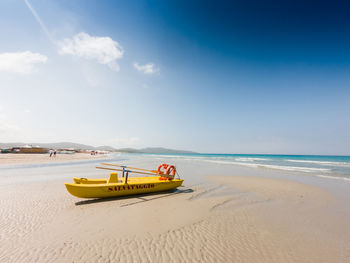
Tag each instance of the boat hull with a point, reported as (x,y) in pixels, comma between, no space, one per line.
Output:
(98,188)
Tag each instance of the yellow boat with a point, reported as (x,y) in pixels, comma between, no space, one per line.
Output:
(114,186)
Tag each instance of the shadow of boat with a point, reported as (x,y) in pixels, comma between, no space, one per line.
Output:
(141,197)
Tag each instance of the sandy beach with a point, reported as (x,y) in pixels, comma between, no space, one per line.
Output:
(221,214)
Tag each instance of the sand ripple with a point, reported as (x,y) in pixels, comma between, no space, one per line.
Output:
(243,220)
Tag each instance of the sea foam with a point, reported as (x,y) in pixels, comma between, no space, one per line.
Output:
(278,167)
(320,162)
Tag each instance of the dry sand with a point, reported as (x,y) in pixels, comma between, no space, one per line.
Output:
(16,158)
(220,219)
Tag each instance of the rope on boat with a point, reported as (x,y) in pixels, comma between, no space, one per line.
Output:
(178,176)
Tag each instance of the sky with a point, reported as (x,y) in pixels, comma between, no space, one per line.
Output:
(209,76)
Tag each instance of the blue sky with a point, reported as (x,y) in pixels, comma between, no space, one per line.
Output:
(209,76)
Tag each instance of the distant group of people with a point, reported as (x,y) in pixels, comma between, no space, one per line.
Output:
(52,152)
(94,152)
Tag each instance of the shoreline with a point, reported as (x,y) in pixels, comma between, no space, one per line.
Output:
(27,158)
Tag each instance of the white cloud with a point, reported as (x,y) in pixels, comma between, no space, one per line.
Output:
(20,62)
(148,68)
(102,49)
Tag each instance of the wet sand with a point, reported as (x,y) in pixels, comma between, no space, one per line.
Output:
(16,158)
(221,214)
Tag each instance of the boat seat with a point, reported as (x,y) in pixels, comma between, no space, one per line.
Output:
(113,178)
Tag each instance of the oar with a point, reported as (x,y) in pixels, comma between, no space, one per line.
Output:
(117,165)
(105,168)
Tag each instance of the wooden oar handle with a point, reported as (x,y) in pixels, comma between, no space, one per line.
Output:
(113,169)
(117,165)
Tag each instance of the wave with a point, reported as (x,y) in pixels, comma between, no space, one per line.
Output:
(247,159)
(277,167)
(171,156)
(198,157)
(333,177)
(297,168)
(307,166)
(320,162)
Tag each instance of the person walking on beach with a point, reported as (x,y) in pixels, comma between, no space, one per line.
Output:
(51,152)
(54,154)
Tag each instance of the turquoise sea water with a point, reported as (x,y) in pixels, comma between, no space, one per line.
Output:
(324,166)
(315,164)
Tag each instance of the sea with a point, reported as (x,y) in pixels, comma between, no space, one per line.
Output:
(323,165)
(318,165)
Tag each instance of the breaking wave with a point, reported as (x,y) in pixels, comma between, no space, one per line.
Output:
(320,162)
(246,159)
(277,167)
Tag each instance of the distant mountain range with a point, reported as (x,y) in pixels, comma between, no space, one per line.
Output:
(152,150)
(68,145)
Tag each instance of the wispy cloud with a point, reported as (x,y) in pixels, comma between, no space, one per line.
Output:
(20,62)
(102,49)
(148,68)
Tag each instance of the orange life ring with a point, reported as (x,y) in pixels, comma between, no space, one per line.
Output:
(170,170)
(162,167)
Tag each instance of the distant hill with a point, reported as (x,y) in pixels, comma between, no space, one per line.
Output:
(128,150)
(105,148)
(58,145)
(68,145)
(163,150)
(152,150)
